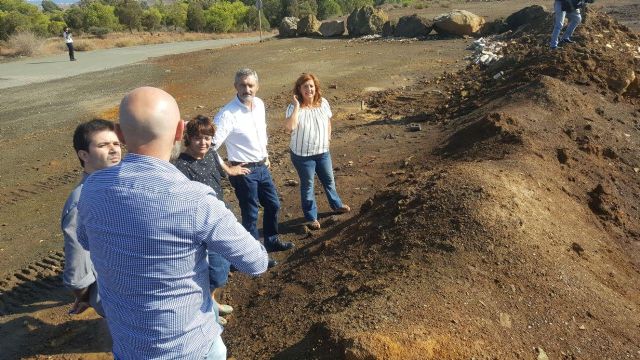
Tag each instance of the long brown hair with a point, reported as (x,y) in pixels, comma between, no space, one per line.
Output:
(303,79)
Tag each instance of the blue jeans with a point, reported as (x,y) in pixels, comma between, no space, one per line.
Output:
(307,167)
(257,188)
(217,351)
(574,20)
(218,270)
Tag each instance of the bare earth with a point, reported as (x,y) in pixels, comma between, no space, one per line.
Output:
(507,224)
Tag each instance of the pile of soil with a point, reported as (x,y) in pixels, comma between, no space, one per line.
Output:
(511,231)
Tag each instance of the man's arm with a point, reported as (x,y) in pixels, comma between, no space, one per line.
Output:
(78,270)
(218,229)
(224,126)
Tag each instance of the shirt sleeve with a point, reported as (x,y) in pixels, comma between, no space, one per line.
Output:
(288,111)
(78,268)
(218,229)
(326,108)
(224,126)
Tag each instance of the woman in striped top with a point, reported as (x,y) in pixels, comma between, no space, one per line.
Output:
(308,119)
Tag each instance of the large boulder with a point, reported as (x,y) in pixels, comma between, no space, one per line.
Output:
(333,28)
(389,28)
(529,15)
(309,25)
(366,21)
(289,27)
(458,22)
(413,26)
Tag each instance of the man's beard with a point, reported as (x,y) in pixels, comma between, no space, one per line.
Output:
(176,150)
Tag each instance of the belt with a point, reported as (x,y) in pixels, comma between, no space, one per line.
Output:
(249,164)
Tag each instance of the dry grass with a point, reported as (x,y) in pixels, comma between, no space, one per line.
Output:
(89,42)
(25,44)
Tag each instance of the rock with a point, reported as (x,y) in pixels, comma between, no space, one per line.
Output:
(289,27)
(577,248)
(620,81)
(458,22)
(389,28)
(497,26)
(366,20)
(505,320)
(333,28)
(309,26)
(413,26)
(290,182)
(562,155)
(414,127)
(529,15)
(541,354)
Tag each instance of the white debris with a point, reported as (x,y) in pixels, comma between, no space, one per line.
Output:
(486,50)
(609,46)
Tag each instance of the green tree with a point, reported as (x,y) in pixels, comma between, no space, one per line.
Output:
(328,8)
(49,6)
(99,15)
(177,15)
(195,17)
(151,19)
(273,10)
(11,22)
(56,27)
(225,16)
(251,20)
(348,6)
(129,13)
(74,17)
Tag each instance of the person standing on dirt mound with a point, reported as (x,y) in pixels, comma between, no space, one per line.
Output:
(308,120)
(242,127)
(570,9)
(148,229)
(97,147)
(200,162)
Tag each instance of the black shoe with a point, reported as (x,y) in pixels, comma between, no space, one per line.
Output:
(567,41)
(272,263)
(277,245)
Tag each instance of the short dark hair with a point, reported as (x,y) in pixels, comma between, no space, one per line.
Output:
(82,135)
(198,126)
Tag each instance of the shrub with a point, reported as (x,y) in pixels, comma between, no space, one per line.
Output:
(82,45)
(124,43)
(56,27)
(99,31)
(25,43)
(328,9)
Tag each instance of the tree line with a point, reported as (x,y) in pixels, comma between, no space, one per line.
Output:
(99,17)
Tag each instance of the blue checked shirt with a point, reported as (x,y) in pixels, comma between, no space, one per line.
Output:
(148,227)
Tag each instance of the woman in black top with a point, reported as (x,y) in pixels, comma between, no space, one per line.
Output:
(200,162)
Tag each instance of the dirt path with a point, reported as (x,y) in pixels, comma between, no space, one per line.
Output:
(39,167)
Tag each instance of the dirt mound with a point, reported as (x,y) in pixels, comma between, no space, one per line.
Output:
(518,231)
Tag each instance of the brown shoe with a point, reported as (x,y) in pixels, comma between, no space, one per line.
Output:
(343,209)
(314,225)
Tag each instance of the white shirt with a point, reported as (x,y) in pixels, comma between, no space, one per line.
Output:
(67,37)
(311,136)
(242,130)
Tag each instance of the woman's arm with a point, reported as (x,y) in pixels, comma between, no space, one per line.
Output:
(291,122)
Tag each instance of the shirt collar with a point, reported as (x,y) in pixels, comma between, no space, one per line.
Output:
(242,105)
(148,160)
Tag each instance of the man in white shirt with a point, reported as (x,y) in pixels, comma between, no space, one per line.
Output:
(241,126)
(69,41)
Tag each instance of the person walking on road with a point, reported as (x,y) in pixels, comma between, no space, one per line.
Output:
(69,41)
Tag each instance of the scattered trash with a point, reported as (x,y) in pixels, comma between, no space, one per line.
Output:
(414,127)
(486,50)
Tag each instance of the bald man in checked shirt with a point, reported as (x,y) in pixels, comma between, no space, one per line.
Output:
(148,229)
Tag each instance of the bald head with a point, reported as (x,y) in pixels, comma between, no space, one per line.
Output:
(150,122)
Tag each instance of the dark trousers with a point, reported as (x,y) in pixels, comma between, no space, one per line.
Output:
(70,47)
(255,189)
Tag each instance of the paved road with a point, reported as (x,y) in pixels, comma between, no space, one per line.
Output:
(36,70)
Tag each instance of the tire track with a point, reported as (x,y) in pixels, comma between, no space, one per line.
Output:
(32,284)
(27,191)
